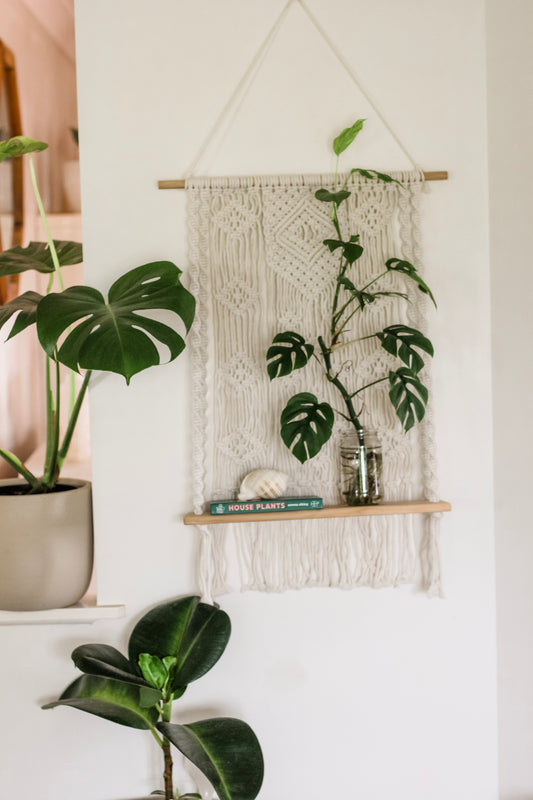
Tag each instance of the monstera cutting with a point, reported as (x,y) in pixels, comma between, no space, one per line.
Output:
(306,422)
(171,646)
(84,330)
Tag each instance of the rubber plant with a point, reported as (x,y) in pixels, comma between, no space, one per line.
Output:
(307,423)
(171,646)
(83,330)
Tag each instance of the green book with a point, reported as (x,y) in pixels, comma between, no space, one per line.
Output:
(257,506)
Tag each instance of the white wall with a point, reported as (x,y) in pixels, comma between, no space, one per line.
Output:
(370,694)
(510,68)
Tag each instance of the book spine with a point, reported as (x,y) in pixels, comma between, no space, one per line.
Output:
(258,506)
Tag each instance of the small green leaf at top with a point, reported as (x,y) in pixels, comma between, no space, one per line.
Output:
(306,425)
(408,395)
(405,267)
(346,137)
(19,146)
(156,671)
(288,351)
(325,196)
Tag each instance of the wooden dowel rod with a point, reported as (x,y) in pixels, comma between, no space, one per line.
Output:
(179,183)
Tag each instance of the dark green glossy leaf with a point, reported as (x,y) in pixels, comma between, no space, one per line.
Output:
(117,701)
(288,351)
(195,633)
(25,306)
(408,395)
(346,137)
(37,256)
(19,146)
(399,265)
(306,425)
(325,196)
(113,336)
(374,174)
(401,341)
(350,250)
(106,661)
(332,244)
(225,750)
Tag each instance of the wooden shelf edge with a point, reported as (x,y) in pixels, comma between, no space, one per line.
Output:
(329,512)
(86,611)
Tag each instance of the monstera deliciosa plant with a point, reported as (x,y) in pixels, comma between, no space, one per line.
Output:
(171,646)
(82,329)
(307,423)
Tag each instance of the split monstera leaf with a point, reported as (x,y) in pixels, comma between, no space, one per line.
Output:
(172,645)
(85,331)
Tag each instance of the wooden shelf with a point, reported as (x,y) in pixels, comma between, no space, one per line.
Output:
(383,509)
(85,611)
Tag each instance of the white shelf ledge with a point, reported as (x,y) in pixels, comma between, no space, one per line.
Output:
(84,612)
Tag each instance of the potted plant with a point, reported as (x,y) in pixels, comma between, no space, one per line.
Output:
(47,564)
(171,646)
(307,423)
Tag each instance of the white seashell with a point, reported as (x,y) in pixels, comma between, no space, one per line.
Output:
(266,483)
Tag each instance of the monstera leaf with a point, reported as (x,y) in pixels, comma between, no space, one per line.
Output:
(288,351)
(399,265)
(401,341)
(306,425)
(195,633)
(37,256)
(124,703)
(225,750)
(25,306)
(408,395)
(113,335)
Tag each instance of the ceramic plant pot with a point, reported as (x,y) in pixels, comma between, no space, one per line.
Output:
(46,546)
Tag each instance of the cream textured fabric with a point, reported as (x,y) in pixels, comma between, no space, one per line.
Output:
(258,267)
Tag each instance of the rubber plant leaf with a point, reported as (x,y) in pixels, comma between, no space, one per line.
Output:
(37,256)
(106,661)
(346,137)
(117,701)
(288,351)
(195,633)
(401,341)
(225,750)
(306,425)
(113,335)
(25,306)
(408,395)
(19,146)
(399,265)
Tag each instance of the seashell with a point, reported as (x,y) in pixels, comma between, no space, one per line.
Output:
(264,483)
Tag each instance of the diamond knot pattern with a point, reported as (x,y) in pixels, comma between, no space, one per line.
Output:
(238,296)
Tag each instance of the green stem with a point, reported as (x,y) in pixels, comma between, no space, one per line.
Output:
(53,252)
(73,418)
(368,385)
(334,379)
(22,470)
(52,427)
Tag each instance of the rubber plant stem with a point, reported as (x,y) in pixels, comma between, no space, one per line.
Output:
(167,774)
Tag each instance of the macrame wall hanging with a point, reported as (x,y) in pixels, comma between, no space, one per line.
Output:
(259,266)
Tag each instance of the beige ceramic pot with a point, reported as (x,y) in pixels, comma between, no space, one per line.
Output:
(46,547)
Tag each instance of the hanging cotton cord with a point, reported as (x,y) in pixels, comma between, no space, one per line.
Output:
(238,96)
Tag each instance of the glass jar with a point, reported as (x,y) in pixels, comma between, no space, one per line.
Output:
(361,469)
